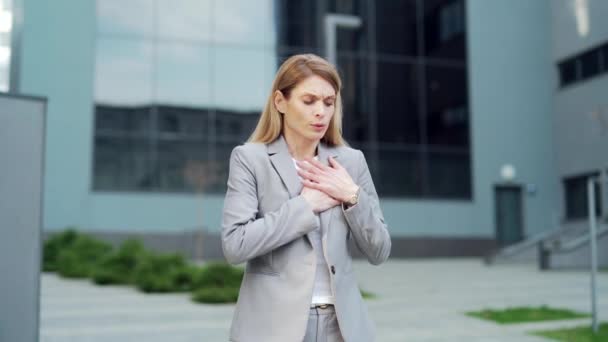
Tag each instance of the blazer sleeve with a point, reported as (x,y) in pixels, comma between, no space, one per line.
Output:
(244,235)
(366,220)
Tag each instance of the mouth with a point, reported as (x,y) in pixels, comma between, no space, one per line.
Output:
(318,127)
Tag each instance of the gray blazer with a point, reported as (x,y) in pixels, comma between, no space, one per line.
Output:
(266,224)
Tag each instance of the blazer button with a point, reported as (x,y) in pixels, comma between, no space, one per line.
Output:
(333,269)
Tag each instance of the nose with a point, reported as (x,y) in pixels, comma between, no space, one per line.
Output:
(319,110)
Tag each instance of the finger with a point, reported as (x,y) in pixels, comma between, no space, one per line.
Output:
(334,163)
(310,184)
(318,164)
(308,175)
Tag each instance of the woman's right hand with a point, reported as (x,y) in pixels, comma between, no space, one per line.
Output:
(318,200)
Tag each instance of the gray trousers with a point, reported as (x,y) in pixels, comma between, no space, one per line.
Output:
(323,326)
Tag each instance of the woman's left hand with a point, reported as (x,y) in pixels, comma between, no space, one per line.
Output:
(333,180)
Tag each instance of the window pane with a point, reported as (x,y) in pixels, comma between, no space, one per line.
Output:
(396,28)
(567,72)
(244,22)
(184,166)
(397,102)
(447,106)
(189,20)
(357,113)
(605,58)
(576,197)
(122,164)
(399,172)
(298,23)
(222,158)
(449,174)
(183,75)
(117,120)
(123,72)
(181,122)
(590,64)
(233,126)
(242,78)
(127,18)
(349,39)
(444,29)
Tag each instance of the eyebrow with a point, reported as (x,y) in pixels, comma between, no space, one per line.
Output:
(316,96)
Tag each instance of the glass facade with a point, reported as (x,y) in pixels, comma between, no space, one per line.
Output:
(584,66)
(6,21)
(577,199)
(180,83)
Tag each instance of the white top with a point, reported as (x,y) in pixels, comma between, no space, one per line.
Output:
(321,293)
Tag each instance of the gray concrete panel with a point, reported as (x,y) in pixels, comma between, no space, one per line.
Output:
(22,127)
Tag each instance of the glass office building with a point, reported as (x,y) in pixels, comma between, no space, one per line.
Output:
(147,98)
(179,84)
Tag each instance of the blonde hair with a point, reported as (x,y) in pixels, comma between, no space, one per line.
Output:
(294,70)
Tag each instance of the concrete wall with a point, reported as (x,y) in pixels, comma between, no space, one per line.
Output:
(581,138)
(577,25)
(511,82)
(22,159)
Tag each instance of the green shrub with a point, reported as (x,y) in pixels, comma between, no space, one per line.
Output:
(53,245)
(82,256)
(216,295)
(119,267)
(184,279)
(156,272)
(219,275)
(217,283)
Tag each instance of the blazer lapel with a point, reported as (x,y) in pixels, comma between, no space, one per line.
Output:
(325,152)
(283,164)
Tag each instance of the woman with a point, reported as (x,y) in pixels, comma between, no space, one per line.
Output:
(296,195)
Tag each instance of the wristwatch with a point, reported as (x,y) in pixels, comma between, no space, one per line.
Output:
(354,199)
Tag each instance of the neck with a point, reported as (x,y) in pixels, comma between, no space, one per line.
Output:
(298,146)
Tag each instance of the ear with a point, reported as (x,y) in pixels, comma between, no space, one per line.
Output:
(279,102)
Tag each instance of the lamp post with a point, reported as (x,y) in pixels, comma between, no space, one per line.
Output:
(508,172)
(593,242)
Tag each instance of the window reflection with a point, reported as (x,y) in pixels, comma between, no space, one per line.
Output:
(185,20)
(444,29)
(398,102)
(399,172)
(403,26)
(179,83)
(122,163)
(124,72)
(357,104)
(298,23)
(242,78)
(449,174)
(244,22)
(183,74)
(447,118)
(131,18)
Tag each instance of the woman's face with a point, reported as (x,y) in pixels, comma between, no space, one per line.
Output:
(309,108)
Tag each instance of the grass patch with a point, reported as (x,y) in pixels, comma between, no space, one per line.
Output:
(579,334)
(367,295)
(526,314)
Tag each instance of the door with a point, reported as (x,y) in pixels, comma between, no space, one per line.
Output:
(509,214)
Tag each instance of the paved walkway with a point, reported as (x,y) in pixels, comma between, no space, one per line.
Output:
(418,300)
